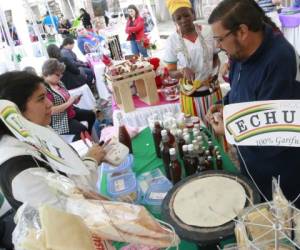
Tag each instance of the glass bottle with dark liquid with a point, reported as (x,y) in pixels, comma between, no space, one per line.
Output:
(219,162)
(209,163)
(175,168)
(124,137)
(180,142)
(191,162)
(157,137)
(165,155)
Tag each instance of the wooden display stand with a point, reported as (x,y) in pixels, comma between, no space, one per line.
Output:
(145,84)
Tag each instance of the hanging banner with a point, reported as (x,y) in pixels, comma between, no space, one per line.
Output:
(263,123)
(59,155)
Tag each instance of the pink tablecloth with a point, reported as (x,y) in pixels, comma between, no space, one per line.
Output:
(140,104)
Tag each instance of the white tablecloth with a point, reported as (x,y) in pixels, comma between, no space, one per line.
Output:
(293,36)
(87,100)
(139,117)
(100,81)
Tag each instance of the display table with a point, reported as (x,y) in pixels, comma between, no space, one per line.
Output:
(99,69)
(145,160)
(139,117)
(291,27)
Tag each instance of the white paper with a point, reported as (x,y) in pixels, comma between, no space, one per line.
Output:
(119,185)
(157,196)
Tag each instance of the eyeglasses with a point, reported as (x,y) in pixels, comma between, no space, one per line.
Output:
(220,39)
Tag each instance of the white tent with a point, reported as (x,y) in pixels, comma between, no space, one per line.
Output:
(31,53)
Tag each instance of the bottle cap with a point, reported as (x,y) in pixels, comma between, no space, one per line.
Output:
(194,141)
(190,147)
(199,138)
(185,130)
(209,157)
(179,132)
(172,151)
(185,148)
(196,133)
(219,157)
(164,132)
(186,137)
(197,126)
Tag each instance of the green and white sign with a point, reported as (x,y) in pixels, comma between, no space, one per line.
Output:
(263,123)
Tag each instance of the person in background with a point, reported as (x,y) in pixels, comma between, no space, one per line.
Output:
(64,27)
(50,23)
(135,30)
(257,73)
(67,52)
(270,8)
(30,69)
(33,36)
(66,118)
(191,57)
(85,18)
(17,159)
(72,77)
(88,41)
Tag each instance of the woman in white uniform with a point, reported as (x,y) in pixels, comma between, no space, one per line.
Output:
(191,58)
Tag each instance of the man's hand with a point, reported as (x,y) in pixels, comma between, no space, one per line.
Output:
(215,118)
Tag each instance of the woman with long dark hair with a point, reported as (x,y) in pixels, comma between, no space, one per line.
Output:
(85,18)
(72,77)
(135,30)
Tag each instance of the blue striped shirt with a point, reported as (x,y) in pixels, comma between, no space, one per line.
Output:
(267,5)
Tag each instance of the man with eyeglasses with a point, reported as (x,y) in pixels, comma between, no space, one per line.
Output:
(263,67)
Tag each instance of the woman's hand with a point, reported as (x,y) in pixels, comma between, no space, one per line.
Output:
(72,100)
(188,74)
(78,97)
(96,152)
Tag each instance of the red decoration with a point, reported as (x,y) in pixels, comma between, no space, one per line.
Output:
(155,63)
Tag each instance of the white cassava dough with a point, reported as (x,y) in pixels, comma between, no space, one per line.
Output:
(209,202)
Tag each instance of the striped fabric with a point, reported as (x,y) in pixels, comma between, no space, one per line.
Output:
(198,106)
(267,5)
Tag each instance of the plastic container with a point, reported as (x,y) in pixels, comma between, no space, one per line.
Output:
(123,188)
(123,168)
(156,194)
(146,179)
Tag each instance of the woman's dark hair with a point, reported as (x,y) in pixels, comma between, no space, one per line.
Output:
(53,51)
(17,87)
(133,7)
(83,10)
(233,13)
(67,41)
